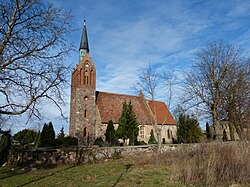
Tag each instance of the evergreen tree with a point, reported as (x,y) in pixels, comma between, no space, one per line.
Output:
(110,133)
(47,135)
(61,136)
(128,126)
(5,145)
(208,133)
(188,129)
(152,139)
(133,125)
(25,136)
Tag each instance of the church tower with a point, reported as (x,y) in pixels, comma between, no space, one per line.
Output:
(83,88)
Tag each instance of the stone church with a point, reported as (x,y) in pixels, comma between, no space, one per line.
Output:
(91,110)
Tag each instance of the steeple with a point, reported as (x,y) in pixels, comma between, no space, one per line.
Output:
(84,46)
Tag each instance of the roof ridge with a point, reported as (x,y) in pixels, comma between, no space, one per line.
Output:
(129,95)
(118,94)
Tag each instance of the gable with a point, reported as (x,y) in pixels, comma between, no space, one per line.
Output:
(162,113)
(110,108)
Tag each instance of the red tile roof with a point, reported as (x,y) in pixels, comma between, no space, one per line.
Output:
(162,113)
(110,108)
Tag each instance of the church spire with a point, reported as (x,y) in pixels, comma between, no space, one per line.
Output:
(84,46)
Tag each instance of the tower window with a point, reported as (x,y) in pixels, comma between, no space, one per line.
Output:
(86,78)
(84,132)
(86,98)
(85,113)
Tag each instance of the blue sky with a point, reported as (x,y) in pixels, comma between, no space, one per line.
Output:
(126,35)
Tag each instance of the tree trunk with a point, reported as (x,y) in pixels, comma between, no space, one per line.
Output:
(231,131)
(215,121)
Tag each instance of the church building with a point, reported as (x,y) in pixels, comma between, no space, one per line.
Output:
(91,110)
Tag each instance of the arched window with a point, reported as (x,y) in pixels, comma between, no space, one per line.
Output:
(85,113)
(142,129)
(86,98)
(84,132)
(86,78)
(169,135)
(163,140)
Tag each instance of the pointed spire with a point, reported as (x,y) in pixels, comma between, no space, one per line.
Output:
(84,40)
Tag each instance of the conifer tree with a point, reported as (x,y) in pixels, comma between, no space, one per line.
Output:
(5,145)
(61,136)
(128,126)
(188,129)
(47,135)
(110,133)
(208,133)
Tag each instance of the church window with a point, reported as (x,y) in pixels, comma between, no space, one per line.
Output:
(169,134)
(85,113)
(142,129)
(91,77)
(86,78)
(86,98)
(163,140)
(84,132)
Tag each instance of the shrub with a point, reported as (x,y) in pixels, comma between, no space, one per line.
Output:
(116,155)
(140,143)
(25,136)
(213,164)
(99,141)
(70,141)
(152,139)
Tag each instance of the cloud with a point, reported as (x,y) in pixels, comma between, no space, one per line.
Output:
(125,36)
(240,9)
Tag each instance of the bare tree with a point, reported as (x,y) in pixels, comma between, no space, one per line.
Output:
(169,79)
(209,81)
(32,48)
(236,97)
(148,82)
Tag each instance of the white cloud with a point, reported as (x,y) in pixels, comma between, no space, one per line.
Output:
(241,9)
(125,36)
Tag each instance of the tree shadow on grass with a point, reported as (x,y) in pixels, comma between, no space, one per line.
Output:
(49,175)
(127,166)
(11,173)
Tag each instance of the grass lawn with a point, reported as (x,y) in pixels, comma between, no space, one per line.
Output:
(121,172)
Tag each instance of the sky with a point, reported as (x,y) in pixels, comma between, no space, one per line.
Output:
(127,35)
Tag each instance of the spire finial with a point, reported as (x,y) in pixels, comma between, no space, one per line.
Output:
(84,40)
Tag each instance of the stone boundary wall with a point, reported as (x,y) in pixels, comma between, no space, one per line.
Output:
(78,155)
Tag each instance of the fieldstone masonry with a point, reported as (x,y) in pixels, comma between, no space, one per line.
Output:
(82,106)
(78,155)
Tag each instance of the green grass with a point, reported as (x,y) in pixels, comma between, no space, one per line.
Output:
(122,172)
